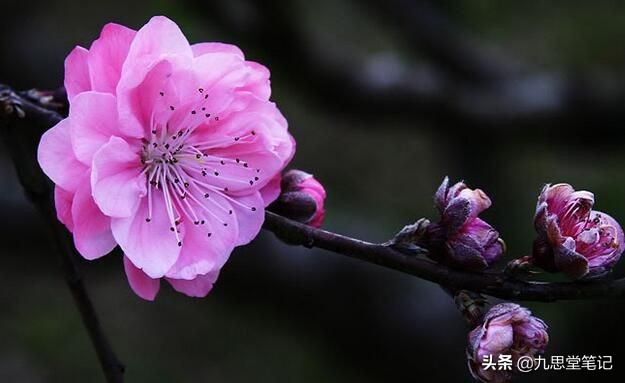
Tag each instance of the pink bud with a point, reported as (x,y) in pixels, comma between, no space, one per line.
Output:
(461,239)
(302,198)
(507,329)
(572,237)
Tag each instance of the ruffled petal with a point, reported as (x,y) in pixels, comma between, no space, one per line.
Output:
(92,229)
(93,118)
(56,157)
(144,286)
(77,77)
(205,48)
(151,246)
(159,41)
(271,191)
(107,55)
(116,178)
(209,241)
(63,202)
(198,287)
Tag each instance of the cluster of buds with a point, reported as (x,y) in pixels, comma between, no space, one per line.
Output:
(571,238)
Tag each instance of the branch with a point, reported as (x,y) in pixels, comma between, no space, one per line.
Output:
(493,284)
(21,124)
(21,143)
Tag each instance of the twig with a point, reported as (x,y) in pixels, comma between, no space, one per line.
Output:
(21,124)
(488,283)
(23,141)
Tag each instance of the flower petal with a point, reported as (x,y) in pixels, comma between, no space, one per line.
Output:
(158,41)
(107,55)
(207,245)
(198,287)
(271,190)
(77,78)
(92,229)
(570,262)
(56,158)
(116,178)
(63,202)
(151,246)
(144,286)
(250,216)
(205,48)
(94,121)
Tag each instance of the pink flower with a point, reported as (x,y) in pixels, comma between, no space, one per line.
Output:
(168,152)
(507,329)
(302,198)
(572,237)
(461,239)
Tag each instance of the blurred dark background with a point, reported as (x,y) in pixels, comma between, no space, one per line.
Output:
(385,98)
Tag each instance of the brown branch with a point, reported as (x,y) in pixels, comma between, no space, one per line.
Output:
(493,284)
(21,124)
(22,138)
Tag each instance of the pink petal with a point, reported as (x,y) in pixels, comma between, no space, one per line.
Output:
(271,191)
(250,216)
(256,75)
(225,70)
(151,246)
(166,96)
(160,40)
(116,178)
(204,48)
(144,286)
(498,338)
(77,78)
(267,149)
(198,287)
(107,55)
(159,37)
(207,246)
(63,202)
(56,157)
(94,121)
(258,81)
(92,231)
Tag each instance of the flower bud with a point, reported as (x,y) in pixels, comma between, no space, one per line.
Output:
(507,329)
(461,239)
(301,199)
(572,237)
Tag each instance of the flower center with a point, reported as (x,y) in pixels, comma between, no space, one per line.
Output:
(193,178)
